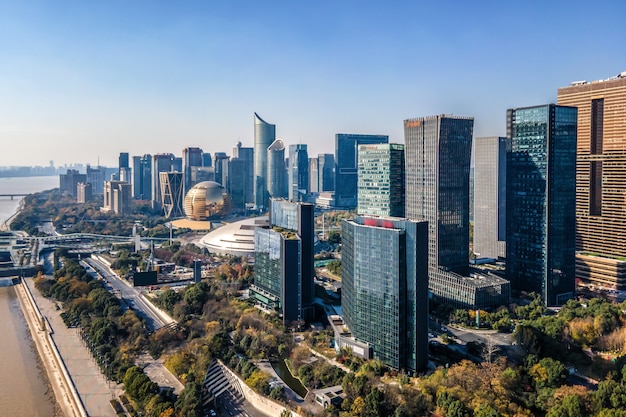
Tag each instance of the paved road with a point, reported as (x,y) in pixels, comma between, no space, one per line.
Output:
(93,388)
(130,295)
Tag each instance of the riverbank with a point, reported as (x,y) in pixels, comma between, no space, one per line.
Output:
(6,224)
(66,396)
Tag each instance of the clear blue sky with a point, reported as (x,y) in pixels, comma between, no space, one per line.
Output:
(86,79)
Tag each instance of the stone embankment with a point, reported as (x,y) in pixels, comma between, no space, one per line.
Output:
(64,390)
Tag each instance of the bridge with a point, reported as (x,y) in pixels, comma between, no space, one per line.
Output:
(13,195)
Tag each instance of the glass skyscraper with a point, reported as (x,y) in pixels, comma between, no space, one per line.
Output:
(142,177)
(264,136)
(385,288)
(381,180)
(298,172)
(346,160)
(437,153)
(541,201)
(192,157)
(275,175)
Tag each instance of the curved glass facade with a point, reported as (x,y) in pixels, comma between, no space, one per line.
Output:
(275,176)
(264,135)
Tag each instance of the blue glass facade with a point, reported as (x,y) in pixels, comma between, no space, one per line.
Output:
(385,288)
(346,160)
(298,172)
(541,201)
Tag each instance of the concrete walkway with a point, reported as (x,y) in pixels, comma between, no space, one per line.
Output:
(93,389)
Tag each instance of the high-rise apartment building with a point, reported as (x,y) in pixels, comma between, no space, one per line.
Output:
(437,154)
(490,197)
(385,288)
(192,157)
(381,180)
(117,197)
(283,271)
(264,136)
(540,201)
(83,192)
(346,155)
(69,181)
(298,172)
(275,176)
(142,177)
(600,179)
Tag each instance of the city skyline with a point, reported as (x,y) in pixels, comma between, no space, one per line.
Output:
(103,78)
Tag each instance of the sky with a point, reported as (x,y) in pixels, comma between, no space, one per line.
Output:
(82,81)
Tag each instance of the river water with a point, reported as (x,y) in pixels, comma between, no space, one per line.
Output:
(24,388)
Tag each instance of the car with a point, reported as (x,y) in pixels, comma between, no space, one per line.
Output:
(212,413)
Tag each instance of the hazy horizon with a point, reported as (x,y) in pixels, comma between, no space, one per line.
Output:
(83,81)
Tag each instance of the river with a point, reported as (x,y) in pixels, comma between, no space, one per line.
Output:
(25,390)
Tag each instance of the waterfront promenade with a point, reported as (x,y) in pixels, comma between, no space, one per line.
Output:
(85,377)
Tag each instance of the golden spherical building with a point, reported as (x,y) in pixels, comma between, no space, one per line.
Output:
(207,200)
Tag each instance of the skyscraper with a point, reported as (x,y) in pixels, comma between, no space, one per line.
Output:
(381,180)
(69,181)
(220,163)
(600,179)
(541,201)
(437,154)
(283,274)
(298,172)
(241,177)
(326,172)
(117,197)
(142,177)
(264,136)
(346,148)
(385,288)
(314,179)
(123,160)
(172,194)
(160,163)
(275,176)
(192,157)
(490,197)
(96,177)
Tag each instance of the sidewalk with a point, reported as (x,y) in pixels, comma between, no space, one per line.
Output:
(93,389)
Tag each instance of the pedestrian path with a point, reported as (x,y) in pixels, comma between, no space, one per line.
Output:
(93,388)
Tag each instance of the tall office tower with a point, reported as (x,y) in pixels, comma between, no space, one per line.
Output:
(177,163)
(283,270)
(160,163)
(298,172)
(275,175)
(117,197)
(385,288)
(69,181)
(437,154)
(600,179)
(241,177)
(490,197)
(541,201)
(314,179)
(126,175)
(346,154)
(84,192)
(264,136)
(207,160)
(172,194)
(123,160)
(142,177)
(326,172)
(220,163)
(96,177)
(381,180)
(192,157)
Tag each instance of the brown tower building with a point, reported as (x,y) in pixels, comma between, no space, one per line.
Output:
(600,179)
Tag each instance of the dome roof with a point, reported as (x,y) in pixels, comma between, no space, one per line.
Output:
(207,199)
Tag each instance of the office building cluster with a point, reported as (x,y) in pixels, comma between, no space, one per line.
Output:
(548,201)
